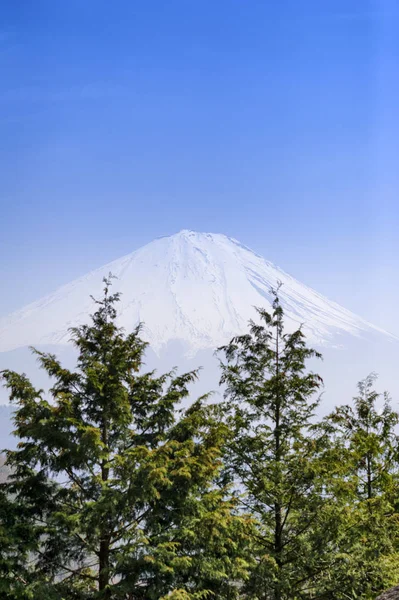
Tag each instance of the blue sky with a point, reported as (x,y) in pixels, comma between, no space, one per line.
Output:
(273,122)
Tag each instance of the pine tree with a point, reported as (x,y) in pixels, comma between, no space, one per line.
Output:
(368,432)
(112,493)
(364,438)
(274,458)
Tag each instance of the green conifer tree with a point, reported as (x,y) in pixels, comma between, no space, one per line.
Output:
(112,493)
(274,458)
(364,439)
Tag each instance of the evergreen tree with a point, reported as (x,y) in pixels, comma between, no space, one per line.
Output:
(274,458)
(369,434)
(112,494)
(364,440)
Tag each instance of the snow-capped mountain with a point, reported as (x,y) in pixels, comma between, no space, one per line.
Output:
(198,288)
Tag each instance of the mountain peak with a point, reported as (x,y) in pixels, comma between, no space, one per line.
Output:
(198,288)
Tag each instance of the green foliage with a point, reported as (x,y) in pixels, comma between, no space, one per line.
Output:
(274,457)
(367,433)
(365,443)
(113,494)
(116,493)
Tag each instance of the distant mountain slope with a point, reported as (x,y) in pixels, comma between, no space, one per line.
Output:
(4,470)
(7,441)
(198,288)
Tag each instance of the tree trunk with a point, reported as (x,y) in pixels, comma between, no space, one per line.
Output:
(278,520)
(103,573)
(105,541)
(369,482)
(278,548)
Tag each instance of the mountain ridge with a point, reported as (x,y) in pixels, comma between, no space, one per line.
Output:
(199,288)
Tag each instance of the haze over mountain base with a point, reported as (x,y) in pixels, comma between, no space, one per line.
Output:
(341,369)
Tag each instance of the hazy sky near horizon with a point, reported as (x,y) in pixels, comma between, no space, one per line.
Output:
(276,123)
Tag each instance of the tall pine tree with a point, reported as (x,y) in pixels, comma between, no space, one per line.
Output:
(274,458)
(113,494)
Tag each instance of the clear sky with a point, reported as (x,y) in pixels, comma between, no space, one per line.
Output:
(274,122)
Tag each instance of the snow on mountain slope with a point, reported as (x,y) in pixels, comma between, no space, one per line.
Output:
(198,288)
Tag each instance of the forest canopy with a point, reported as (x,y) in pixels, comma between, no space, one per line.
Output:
(117,492)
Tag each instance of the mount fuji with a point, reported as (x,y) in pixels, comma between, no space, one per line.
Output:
(193,292)
(196,288)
